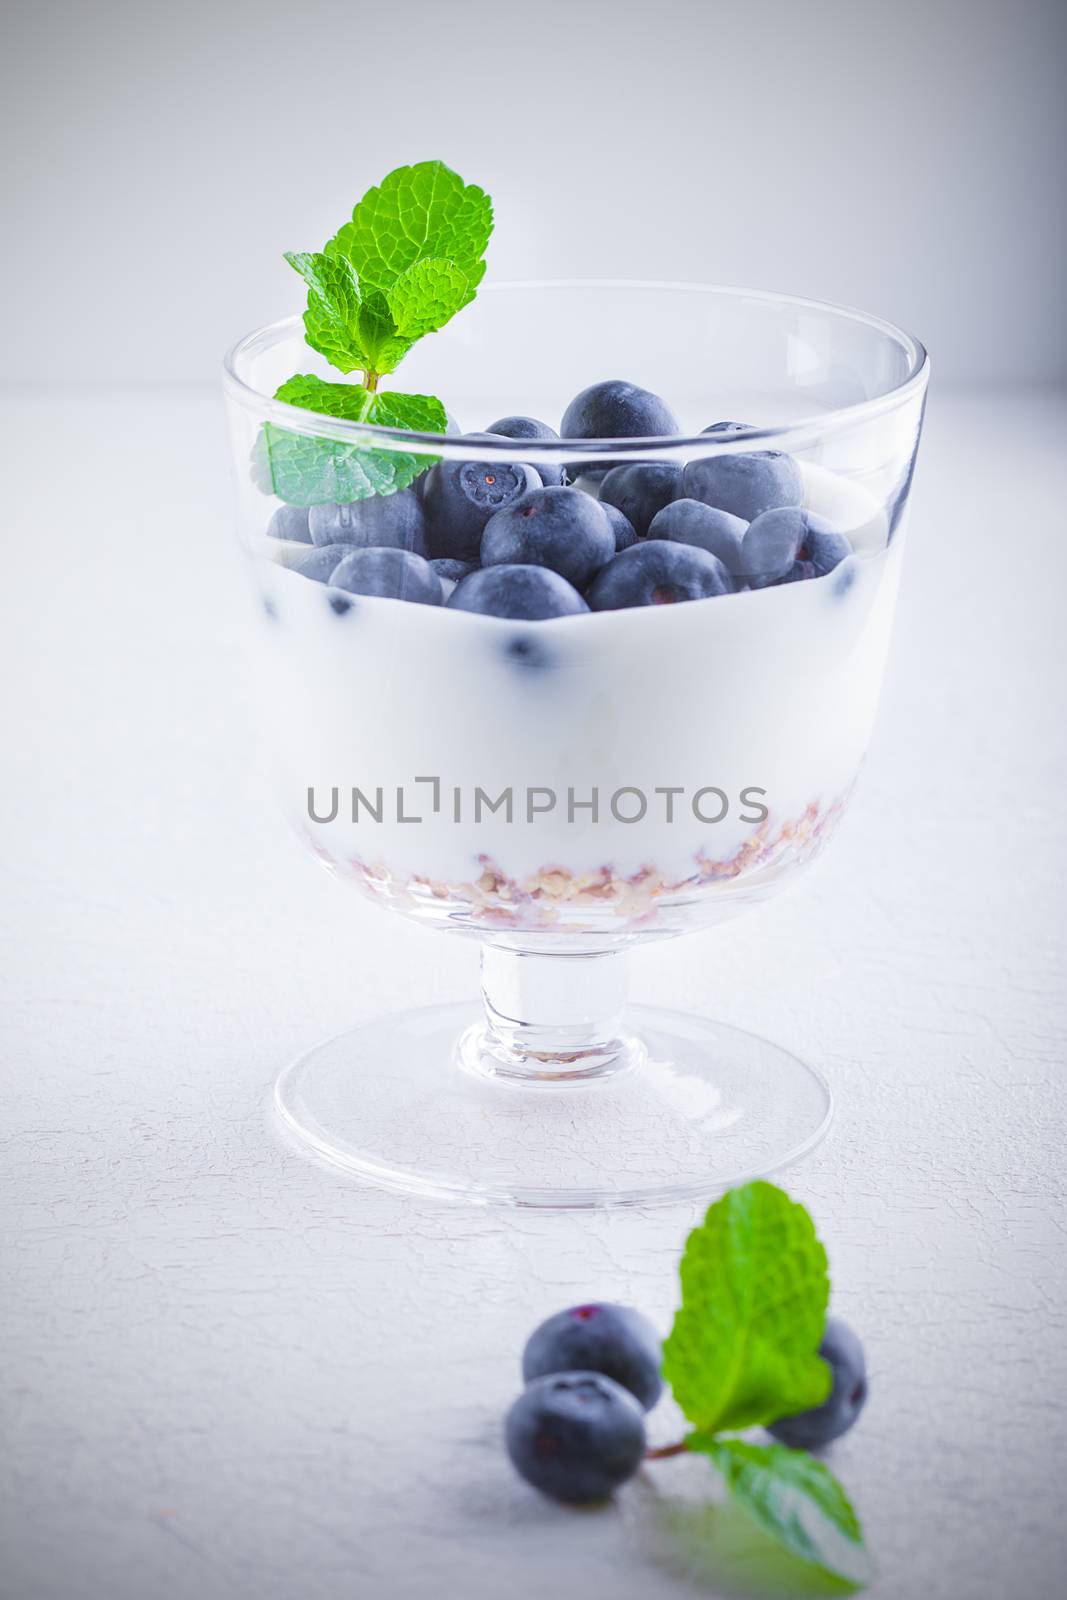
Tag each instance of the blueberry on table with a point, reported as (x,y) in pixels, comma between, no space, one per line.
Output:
(745,485)
(563,529)
(575,1436)
(529,428)
(692,522)
(460,496)
(394,520)
(390,574)
(614,1340)
(811,1430)
(621,526)
(641,489)
(523,593)
(655,573)
(320,561)
(290,522)
(617,410)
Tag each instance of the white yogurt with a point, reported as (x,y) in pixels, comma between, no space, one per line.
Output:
(772,690)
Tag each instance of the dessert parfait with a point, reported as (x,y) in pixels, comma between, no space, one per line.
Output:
(587,666)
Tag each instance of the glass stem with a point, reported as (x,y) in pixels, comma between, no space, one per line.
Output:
(552,1016)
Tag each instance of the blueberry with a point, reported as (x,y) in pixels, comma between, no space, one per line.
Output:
(769,547)
(461,496)
(798,572)
(614,1340)
(529,428)
(450,572)
(525,593)
(790,544)
(290,522)
(745,485)
(389,573)
(621,526)
(657,572)
(396,521)
(320,560)
(729,430)
(640,489)
(822,545)
(811,1430)
(564,529)
(617,410)
(575,1435)
(613,410)
(692,522)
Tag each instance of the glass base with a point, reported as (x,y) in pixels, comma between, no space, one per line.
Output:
(687,1108)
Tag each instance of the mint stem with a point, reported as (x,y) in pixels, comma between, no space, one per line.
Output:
(664,1450)
(370,381)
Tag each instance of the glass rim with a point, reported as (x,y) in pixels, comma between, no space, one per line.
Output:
(298,419)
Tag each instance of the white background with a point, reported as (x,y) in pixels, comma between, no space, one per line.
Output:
(905,157)
(225,1372)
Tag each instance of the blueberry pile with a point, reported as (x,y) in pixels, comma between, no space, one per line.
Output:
(516,541)
(577,1431)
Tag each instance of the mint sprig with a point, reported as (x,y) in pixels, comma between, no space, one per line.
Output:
(743,1350)
(409,259)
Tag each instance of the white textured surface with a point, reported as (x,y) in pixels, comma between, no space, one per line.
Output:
(229,1373)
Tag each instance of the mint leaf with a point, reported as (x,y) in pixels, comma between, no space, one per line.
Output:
(378,331)
(348,401)
(416,214)
(428,295)
(306,470)
(332,321)
(795,1498)
(743,1346)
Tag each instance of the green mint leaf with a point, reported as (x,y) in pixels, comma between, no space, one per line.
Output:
(333,319)
(427,296)
(796,1499)
(348,401)
(305,470)
(419,213)
(378,333)
(743,1346)
(418,413)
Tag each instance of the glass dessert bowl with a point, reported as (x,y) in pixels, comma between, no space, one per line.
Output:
(561,777)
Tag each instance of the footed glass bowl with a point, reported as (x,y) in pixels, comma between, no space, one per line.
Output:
(562,789)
